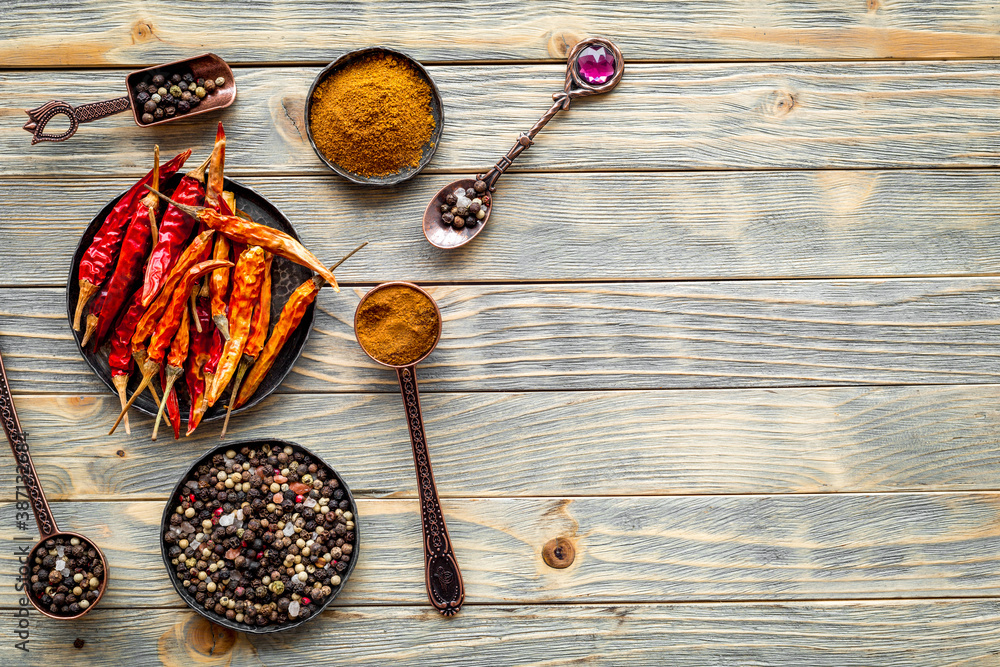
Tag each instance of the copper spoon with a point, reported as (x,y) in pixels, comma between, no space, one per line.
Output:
(205,66)
(47,527)
(594,66)
(443,578)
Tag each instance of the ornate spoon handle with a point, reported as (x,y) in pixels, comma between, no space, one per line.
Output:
(39,117)
(573,87)
(26,470)
(444,579)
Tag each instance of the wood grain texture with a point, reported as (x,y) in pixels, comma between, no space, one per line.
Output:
(642,226)
(628,549)
(857,439)
(834,634)
(613,336)
(89,32)
(750,116)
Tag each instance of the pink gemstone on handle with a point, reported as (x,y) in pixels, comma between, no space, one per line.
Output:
(596,64)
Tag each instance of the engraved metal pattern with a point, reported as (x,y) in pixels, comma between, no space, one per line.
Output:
(18,440)
(444,580)
(39,117)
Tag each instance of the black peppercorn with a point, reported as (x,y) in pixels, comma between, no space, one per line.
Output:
(450,199)
(147,118)
(479,186)
(158,114)
(188,76)
(169,112)
(150,106)
(458,223)
(183,107)
(143,97)
(175,78)
(158,80)
(470,193)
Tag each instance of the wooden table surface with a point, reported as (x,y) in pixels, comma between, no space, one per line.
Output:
(732,331)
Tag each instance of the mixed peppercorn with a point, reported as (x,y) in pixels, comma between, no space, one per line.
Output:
(466,207)
(67,575)
(261,536)
(165,95)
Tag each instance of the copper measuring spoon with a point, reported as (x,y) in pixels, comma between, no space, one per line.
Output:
(594,66)
(205,66)
(443,578)
(47,527)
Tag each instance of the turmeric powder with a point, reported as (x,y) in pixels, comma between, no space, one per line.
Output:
(373,117)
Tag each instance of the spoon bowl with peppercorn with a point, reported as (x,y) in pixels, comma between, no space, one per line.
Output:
(154,95)
(460,210)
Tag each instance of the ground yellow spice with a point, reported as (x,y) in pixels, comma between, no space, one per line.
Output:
(373,117)
(397,325)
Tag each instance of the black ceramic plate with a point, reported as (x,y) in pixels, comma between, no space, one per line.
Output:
(286,276)
(221,620)
(437,110)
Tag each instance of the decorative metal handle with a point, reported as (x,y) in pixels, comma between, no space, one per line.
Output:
(18,440)
(85,113)
(444,580)
(573,87)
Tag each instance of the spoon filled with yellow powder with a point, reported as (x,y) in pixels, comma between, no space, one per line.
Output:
(374,116)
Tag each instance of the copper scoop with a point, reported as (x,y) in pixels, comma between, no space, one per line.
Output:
(47,527)
(205,66)
(442,576)
(594,66)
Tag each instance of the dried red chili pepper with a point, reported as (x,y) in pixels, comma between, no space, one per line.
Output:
(191,256)
(103,250)
(218,283)
(132,258)
(291,314)
(252,233)
(175,230)
(247,280)
(92,318)
(194,374)
(120,357)
(151,359)
(212,365)
(259,324)
(179,348)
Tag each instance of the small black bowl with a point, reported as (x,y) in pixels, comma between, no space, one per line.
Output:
(287,276)
(222,620)
(437,110)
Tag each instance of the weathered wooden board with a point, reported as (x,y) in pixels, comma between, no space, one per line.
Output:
(628,549)
(813,440)
(674,116)
(613,336)
(90,32)
(640,226)
(834,634)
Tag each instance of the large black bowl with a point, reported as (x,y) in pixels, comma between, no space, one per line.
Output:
(222,620)
(286,276)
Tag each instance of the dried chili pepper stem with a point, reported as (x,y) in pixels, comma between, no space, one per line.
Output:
(149,369)
(173,372)
(245,364)
(252,233)
(121,385)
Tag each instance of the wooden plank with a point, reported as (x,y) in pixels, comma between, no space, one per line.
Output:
(835,634)
(640,226)
(854,439)
(613,336)
(628,549)
(133,33)
(750,116)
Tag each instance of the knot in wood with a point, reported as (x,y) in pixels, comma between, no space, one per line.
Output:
(559,553)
